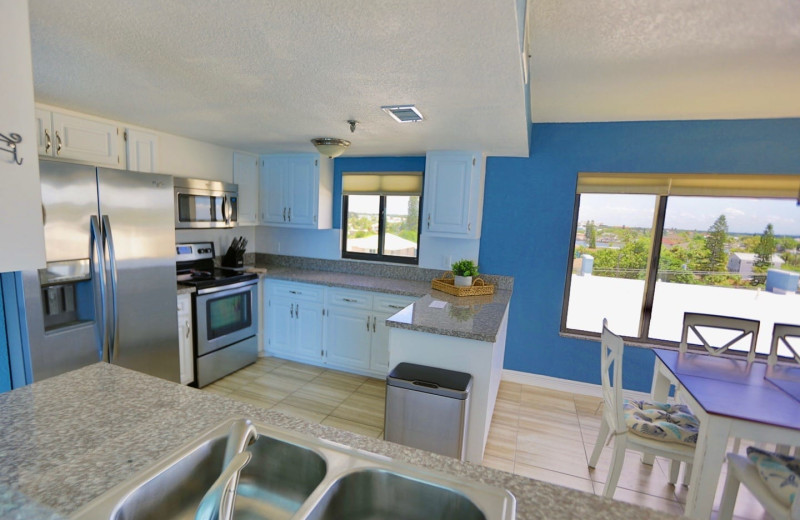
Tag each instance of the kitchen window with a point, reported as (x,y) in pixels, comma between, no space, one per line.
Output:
(648,247)
(380,216)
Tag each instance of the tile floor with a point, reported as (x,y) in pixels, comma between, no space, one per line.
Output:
(535,432)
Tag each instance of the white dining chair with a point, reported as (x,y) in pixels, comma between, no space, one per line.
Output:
(742,470)
(638,425)
(787,336)
(705,326)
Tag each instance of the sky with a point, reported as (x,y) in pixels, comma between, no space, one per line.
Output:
(694,213)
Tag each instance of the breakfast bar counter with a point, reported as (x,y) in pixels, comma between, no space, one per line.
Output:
(68,439)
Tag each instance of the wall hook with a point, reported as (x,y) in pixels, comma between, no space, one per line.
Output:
(12,143)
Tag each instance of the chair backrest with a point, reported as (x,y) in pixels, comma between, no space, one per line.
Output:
(611,347)
(781,334)
(744,327)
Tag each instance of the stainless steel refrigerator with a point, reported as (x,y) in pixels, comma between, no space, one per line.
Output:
(108,290)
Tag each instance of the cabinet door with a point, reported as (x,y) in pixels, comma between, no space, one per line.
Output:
(245,175)
(85,140)
(303,175)
(22,232)
(280,325)
(141,151)
(44,131)
(347,337)
(185,339)
(273,189)
(379,357)
(447,193)
(308,330)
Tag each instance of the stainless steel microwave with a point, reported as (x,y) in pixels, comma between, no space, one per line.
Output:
(205,204)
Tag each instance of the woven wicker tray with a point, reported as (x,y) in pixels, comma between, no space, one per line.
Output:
(447,284)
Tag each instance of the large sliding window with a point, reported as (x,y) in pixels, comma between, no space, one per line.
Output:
(648,247)
(381,216)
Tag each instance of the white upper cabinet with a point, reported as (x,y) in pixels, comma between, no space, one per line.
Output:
(22,233)
(76,138)
(141,151)
(453,195)
(245,175)
(297,191)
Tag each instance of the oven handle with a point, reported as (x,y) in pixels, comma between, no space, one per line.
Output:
(230,287)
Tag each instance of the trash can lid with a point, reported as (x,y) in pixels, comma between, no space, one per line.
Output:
(431,380)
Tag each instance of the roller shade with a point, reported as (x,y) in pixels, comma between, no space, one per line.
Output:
(707,185)
(383,183)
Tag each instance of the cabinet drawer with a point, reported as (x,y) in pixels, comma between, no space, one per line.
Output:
(348,298)
(392,303)
(296,291)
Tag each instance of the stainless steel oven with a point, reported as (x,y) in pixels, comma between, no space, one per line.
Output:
(225,313)
(205,204)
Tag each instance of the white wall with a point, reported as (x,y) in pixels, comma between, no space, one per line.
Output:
(21,230)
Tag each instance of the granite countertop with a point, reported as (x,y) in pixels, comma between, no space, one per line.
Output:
(185,289)
(471,317)
(68,439)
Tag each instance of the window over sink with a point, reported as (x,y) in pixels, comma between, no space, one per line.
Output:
(380,216)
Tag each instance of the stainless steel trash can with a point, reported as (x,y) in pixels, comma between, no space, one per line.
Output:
(428,408)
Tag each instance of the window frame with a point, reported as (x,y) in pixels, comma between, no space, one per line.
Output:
(379,256)
(651,275)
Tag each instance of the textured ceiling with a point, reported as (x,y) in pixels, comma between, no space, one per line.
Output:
(268,75)
(617,60)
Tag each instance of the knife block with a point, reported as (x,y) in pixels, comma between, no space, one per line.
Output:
(233,259)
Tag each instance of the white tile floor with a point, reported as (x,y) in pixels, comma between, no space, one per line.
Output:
(535,432)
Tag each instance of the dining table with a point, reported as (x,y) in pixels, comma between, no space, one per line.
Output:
(731,397)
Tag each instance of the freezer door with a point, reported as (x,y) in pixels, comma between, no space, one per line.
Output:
(137,212)
(69,199)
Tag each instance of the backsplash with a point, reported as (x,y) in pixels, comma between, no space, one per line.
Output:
(403,272)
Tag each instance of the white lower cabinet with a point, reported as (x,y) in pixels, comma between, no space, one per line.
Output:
(348,336)
(185,341)
(340,328)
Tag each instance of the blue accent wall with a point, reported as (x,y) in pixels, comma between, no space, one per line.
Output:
(528,210)
(15,364)
(367,164)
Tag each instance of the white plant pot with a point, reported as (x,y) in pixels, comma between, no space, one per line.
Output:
(463,281)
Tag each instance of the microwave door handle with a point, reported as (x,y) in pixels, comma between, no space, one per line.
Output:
(96,248)
(112,261)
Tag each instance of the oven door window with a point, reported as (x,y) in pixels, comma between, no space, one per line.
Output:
(228,314)
(199,208)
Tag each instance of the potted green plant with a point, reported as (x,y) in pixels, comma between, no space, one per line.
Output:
(463,271)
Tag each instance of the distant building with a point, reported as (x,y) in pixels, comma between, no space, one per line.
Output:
(392,245)
(742,263)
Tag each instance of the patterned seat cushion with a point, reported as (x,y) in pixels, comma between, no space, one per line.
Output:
(662,421)
(780,473)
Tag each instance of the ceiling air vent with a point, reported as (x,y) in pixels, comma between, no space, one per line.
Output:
(403,113)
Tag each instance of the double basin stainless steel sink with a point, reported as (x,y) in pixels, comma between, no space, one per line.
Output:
(299,477)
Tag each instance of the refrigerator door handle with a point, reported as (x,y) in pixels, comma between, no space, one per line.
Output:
(96,248)
(112,262)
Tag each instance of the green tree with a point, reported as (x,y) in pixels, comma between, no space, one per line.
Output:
(716,239)
(764,250)
(591,234)
(412,219)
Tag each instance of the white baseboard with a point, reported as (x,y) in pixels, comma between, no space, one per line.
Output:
(564,385)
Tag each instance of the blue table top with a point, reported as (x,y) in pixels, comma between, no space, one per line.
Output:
(735,388)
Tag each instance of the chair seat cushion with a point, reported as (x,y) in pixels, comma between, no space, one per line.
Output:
(662,421)
(780,473)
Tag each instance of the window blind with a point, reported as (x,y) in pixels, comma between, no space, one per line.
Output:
(383,183)
(687,184)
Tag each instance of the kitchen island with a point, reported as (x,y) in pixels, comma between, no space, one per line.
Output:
(68,439)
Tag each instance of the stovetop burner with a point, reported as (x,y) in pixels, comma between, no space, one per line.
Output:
(195,267)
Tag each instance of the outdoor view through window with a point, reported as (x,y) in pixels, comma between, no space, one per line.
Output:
(393,237)
(713,258)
